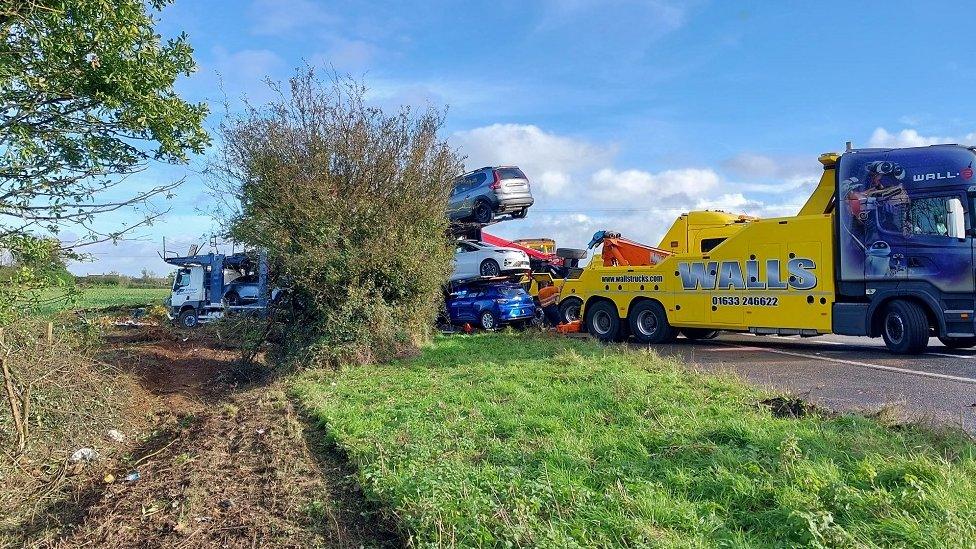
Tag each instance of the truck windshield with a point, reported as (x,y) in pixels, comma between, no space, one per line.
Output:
(182,279)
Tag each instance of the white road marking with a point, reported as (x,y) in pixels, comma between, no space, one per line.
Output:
(971,357)
(881,367)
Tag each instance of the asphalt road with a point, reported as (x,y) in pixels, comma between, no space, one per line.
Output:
(847,373)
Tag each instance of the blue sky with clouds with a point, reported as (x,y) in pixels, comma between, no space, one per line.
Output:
(622,113)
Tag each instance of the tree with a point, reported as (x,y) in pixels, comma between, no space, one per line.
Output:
(86,95)
(87,99)
(349,203)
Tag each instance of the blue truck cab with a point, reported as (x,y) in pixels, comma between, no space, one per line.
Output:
(905,231)
(490,305)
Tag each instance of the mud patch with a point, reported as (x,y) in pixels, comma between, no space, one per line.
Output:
(788,407)
(240,475)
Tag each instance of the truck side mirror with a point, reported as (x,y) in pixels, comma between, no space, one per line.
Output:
(956,218)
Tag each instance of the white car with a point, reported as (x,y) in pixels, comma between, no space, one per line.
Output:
(473,259)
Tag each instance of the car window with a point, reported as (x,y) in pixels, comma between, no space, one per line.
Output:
(510,173)
(464,247)
(509,292)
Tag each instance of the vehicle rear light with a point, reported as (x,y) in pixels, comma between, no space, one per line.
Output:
(497,182)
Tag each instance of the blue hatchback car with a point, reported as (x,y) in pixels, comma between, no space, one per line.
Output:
(491,306)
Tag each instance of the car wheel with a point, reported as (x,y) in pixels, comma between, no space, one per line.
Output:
(188,319)
(482,212)
(698,333)
(487,320)
(232,299)
(905,328)
(649,323)
(958,342)
(569,309)
(489,267)
(602,321)
(520,214)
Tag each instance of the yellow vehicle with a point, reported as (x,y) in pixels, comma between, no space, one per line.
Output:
(883,247)
(543,245)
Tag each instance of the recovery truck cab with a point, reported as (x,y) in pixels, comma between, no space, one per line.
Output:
(883,247)
(207,286)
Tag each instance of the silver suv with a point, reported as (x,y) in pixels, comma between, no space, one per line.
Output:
(486,192)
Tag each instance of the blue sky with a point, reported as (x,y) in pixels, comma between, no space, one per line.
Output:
(623,114)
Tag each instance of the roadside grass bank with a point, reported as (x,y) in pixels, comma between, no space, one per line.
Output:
(101,297)
(532,440)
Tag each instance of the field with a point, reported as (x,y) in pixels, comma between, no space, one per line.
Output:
(522,440)
(100,297)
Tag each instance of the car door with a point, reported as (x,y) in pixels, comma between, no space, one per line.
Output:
(465,260)
(455,206)
(471,192)
(457,304)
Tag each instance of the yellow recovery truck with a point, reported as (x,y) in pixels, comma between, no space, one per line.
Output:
(883,247)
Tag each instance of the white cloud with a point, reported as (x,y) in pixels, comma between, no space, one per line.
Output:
(243,72)
(346,54)
(530,145)
(910,137)
(905,138)
(630,185)
(281,17)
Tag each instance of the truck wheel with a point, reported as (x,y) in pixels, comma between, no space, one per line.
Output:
(958,342)
(489,267)
(698,333)
(487,320)
(904,328)
(188,319)
(649,323)
(569,309)
(602,321)
(482,212)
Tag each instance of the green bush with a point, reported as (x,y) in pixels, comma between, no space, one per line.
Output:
(350,204)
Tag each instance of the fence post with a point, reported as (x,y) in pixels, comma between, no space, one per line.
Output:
(49,333)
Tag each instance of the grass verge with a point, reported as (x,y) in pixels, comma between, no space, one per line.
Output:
(100,297)
(527,440)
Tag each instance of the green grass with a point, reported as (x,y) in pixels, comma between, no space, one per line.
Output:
(103,297)
(545,441)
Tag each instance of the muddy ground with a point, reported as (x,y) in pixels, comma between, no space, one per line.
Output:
(221,464)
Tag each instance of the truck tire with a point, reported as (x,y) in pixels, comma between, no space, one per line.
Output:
(602,321)
(905,328)
(489,267)
(649,323)
(481,213)
(958,342)
(188,318)
(698,333)
(570,253)
(569,309)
